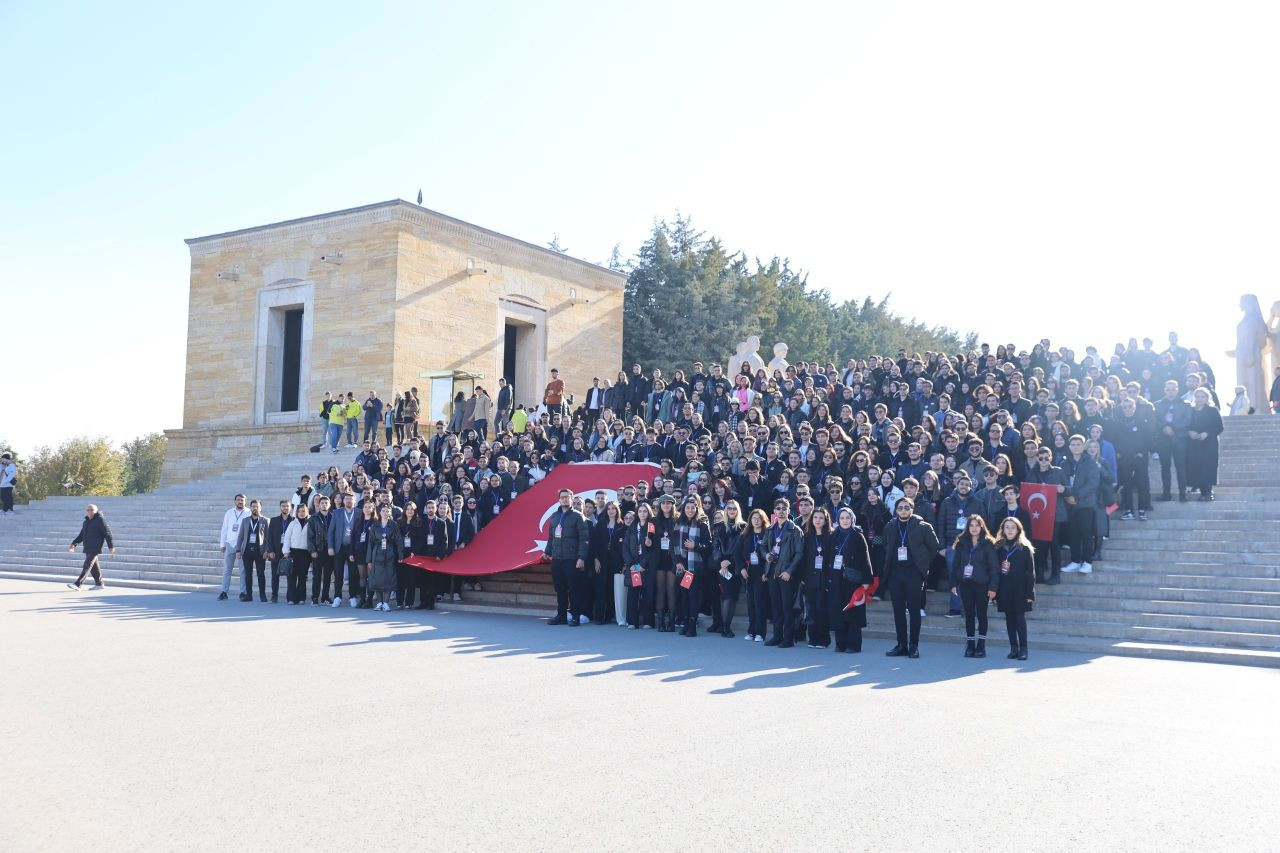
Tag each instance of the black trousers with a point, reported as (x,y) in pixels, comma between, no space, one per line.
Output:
(640,601)
(817,592)
(321,576)
(973,596)
(1135,481)
(90,566)
(782,601)
(1016,623)
(601,595)
(562,572)
(343,562)
(428,583)
(1081,524)
(406,583)
(298,575)
(845,624)
(581,592)
(6,499)
(1174,453)
(906,591)
(252,559)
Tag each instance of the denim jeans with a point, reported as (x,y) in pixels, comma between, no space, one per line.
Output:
(229,563)
(335,435)
(353,430)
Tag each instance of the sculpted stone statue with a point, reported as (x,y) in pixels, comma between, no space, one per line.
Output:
(1251,339)
(1274,335)
(779,361)
(748,352)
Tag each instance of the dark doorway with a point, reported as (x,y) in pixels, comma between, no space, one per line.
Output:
(509,354)
(292,361)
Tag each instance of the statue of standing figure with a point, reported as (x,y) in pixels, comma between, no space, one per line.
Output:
(748,353)
(779,362)
(1252,338)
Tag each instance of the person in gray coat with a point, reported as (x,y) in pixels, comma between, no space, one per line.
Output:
(1083,479)
(785,545)
(568,543)
(382,555)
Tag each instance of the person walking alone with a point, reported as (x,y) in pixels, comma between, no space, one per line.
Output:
(94,532)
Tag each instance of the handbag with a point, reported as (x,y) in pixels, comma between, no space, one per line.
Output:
(286,566)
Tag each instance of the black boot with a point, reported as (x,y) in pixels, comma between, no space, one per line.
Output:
(897,651)
(981,650)
(968,648)
(1013,653)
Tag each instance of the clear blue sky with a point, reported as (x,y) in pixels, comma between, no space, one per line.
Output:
(1120,155)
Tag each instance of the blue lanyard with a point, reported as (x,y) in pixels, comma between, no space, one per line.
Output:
(902,535)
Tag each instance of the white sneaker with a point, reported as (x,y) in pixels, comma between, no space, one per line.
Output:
(1086,568)
(759,638)
(583,620)
(1070,568)
(353,601)
(476,587)
(385,607)
(750,638)
(457,597)
(337,602)
(73,586)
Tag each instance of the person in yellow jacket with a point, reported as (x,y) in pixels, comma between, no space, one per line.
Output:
(337,417)
(519,418)
(352,411)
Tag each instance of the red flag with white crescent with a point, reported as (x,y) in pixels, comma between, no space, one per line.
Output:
(1040,500)
(515,538)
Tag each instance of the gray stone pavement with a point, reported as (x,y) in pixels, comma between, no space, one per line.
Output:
(170,721)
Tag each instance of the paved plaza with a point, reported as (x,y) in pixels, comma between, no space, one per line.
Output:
(170,721)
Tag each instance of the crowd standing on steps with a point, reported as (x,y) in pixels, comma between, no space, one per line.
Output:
(808,490)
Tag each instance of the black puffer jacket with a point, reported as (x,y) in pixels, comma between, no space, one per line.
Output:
(93,532)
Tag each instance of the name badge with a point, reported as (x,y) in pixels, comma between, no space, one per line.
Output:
(960,523)
(431,539)
(820,562)
(968,570)
(665,543)
(495,509)
(902,553)
(406,542)
(1168,417)
(838,562)
(384,543)
(755,558)
(513,495)
(559,530)
(363,534)
(1004,567)
(235,528)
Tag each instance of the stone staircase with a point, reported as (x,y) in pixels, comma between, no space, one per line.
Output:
(1196,582)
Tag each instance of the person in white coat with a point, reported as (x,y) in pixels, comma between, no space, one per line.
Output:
(293,545)
(227,540)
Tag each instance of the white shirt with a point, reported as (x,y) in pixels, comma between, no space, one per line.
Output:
(8,476)
(231,527)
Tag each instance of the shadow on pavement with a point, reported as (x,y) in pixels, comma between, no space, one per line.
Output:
(599,650)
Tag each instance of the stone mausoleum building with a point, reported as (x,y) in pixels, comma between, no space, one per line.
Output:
(384,297)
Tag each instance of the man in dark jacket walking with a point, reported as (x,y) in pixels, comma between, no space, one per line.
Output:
(909,546)
(568,541)
(94,532)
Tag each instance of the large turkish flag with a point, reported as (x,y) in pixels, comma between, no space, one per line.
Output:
(1040,500)
(515,538)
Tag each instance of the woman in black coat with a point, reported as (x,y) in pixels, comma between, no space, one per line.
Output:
(818,577)
(751,560)
(852,566)
(724,561)
(639,556)
(1017,583)
(974,576)
(664,544)
(406,575)
(692,561)
(1202,449)
(605,558)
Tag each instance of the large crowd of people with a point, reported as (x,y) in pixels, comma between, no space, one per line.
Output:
(808,490)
